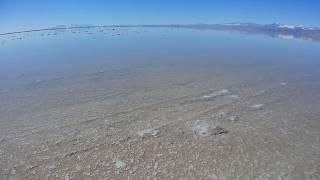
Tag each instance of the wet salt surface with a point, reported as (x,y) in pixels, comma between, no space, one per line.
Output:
(120,164)
(257,106)
(202,129)
(148,133)
(216,94)
(158,103)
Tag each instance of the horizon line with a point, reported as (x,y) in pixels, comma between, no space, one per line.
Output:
(75,26)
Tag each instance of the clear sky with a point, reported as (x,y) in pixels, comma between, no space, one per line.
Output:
(28,14)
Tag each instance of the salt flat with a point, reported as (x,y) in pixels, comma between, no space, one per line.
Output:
(159,104)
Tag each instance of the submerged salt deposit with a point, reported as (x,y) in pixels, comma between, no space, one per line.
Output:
(214,94)
(148,133)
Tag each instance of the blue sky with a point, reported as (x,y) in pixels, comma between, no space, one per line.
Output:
(29,14)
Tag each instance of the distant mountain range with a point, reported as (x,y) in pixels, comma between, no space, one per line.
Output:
(274,30)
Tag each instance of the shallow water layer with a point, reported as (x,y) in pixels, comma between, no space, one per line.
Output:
(162,103)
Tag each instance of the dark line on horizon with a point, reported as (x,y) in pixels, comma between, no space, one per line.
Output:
(83,27)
